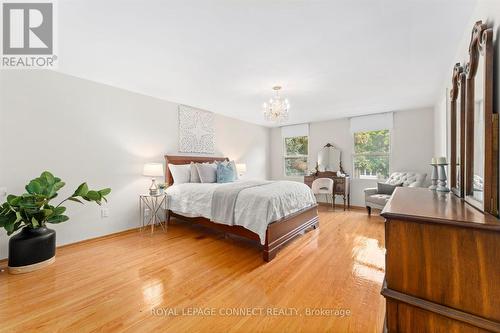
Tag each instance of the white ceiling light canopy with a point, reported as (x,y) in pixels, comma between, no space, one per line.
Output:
(277,108)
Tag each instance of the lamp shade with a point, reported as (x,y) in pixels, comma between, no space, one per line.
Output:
(241,167)
(153,169)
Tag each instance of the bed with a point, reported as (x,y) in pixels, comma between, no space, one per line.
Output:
(273,228)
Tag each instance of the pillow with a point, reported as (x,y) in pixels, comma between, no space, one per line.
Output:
(195,176)
(207,172)
(180,173)
(383,188)
(225,172)
(233,163)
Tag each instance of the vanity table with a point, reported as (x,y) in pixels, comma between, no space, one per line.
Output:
(341,185)
(329,162)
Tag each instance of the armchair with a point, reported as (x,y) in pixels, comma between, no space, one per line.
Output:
(409,179)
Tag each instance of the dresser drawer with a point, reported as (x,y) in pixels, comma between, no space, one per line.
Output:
(339,186)
(453,266)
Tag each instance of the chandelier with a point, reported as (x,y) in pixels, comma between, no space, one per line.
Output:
(276,109)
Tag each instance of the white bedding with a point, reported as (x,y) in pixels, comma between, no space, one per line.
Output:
(255,207)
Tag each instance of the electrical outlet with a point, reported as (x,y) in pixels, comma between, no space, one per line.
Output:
(3,192)
(104,212)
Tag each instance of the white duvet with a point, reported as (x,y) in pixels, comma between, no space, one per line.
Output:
(255,207)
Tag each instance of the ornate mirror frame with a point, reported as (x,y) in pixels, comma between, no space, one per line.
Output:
(329,146)
(481,49)
(457,131)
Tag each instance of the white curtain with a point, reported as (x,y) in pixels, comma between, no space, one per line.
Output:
(295,130)
(373,122)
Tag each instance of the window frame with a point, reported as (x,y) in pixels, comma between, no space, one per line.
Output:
(285,156)
(372,154)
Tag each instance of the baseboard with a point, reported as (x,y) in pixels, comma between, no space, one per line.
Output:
(85,241)
(352,207)
(100,238)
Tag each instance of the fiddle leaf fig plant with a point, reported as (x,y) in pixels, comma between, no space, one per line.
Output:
(33,209)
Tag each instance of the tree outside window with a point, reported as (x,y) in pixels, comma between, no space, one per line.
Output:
(296,152)
(371,154)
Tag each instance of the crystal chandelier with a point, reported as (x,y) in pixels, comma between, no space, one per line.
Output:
(276,109)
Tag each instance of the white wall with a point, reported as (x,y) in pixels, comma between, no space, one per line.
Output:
(488,11)
(412,146)
(85,131)
(441,131)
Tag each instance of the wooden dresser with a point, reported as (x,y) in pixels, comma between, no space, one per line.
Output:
(442,264)
(341,185)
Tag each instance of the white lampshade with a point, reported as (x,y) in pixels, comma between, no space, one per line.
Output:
(241,167)
(153,169)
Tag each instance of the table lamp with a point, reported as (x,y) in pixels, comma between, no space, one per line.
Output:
(242,168)
(153,170)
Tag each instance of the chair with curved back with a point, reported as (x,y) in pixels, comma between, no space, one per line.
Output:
(374,199)
(324,186)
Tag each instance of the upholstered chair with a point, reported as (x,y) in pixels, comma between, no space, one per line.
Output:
(373,199)
(323,186)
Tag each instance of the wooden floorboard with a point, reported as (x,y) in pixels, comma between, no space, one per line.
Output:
(113,284)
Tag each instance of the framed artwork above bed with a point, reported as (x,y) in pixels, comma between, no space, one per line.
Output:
(196,130)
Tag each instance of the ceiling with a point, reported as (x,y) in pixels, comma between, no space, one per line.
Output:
(333,58)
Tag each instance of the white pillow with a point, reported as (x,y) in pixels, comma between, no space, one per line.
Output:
(207,172)
(195,176)
(180,173)
(233,164)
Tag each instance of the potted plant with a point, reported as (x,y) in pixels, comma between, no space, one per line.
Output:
(35,246)
(162,187)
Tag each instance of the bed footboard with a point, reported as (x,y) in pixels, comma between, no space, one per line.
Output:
(278,232)
(282,231)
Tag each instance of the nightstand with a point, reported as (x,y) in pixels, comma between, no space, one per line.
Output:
(154,204)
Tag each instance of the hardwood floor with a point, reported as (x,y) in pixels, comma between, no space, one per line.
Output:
(135,282)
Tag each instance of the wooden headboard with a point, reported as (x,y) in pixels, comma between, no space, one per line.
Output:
(169,159)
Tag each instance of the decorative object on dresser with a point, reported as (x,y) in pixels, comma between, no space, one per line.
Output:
(441,185)
(374,199)
(153,170)
(434,175)
(277,234)
(35,246)
(442,264)
(481,140)
(196,130)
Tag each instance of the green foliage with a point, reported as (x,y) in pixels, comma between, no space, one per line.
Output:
(372,152)
(372,142)
(295,166)
(33,209)
(296,150)
(296,146)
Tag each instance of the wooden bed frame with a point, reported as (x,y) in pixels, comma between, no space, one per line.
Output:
(278,233)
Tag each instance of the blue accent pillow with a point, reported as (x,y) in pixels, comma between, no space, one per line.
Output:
(225,173)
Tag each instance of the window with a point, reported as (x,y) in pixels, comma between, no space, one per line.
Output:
(371,154)
(296,151)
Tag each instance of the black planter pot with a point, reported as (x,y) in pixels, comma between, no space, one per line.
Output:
(31,249)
